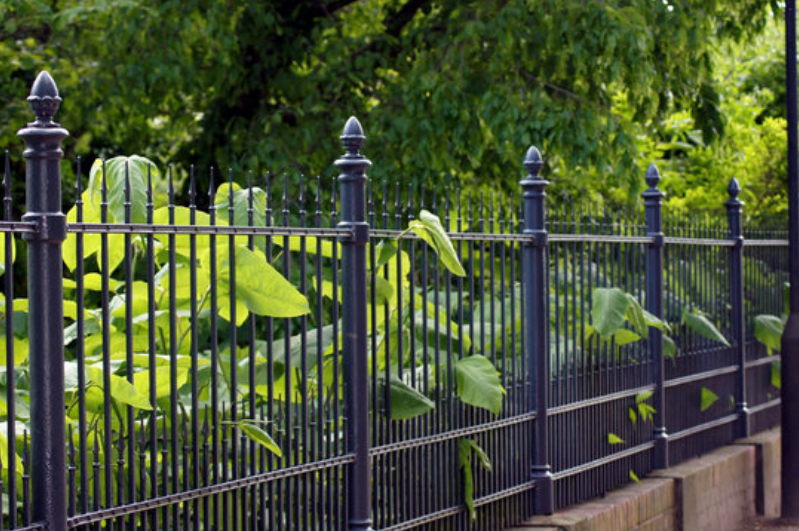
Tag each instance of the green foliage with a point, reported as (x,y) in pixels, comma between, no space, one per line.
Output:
(479,384)
(707,399)
(407,402)
(614,439)
(271,82)
(467,448)
(699,323)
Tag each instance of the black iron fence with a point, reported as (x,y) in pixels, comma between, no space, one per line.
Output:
(302,361)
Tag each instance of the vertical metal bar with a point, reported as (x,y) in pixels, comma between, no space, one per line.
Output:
(352,182)
(790,338)
(653,202)
(536,322)
(11,390)
(734,206)
(45,311)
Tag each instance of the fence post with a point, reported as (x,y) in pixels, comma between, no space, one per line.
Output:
(653,202)
(536,325)
(734,207)
(45,299)
(354,283)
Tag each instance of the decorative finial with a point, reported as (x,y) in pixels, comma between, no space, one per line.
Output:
(44,100)
(533,161)
(734,188)
(652,176)
(352,138)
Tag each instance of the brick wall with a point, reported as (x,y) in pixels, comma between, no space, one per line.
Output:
(715,492)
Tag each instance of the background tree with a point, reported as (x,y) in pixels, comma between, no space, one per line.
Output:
(449,91)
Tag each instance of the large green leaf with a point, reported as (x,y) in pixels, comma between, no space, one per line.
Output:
(121,390)
(241,204)
(182,216)
(407,402)
(699,323)
(428,227)
(92,242)
(609,310)
(116,169)
(260,436)
(768,330)
(635,315)
(625,337)
(259,286)
(479,384)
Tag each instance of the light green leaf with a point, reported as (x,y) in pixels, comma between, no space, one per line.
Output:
(614,439)
(776,374)
(625,337)
(669,347)
(407,402)
(465,449)
(656,322)
(479,384)
(115,171)
(633,416)
(20,350)
(700,324)
(768,330)
(260,287)
(465,461)
(385,251)
(643,395)
(634,477)
(92,282)
(707,399)
(428,227)
(121,390)
(645,411)
(241,202)
(635,315)
(260,436)
(3,257)
(608,310)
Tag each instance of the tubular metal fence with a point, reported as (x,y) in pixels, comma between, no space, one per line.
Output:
(296,361)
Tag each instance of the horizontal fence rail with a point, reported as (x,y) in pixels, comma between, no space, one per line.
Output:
(350,355)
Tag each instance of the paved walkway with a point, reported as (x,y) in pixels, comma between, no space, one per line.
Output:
(762,524)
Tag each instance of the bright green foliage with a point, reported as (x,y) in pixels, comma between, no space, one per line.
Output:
(612,309)
(614,439)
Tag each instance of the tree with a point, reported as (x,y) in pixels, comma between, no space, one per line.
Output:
(448,90)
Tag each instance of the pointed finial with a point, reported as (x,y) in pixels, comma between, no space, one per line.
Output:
(533,161)
(652,176)
(352,138)
(734,188)
(44,100)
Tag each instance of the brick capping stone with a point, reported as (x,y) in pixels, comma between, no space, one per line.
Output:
(715,492)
